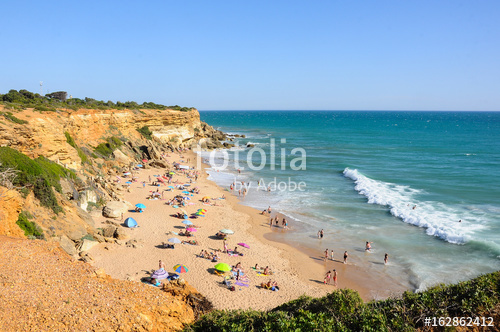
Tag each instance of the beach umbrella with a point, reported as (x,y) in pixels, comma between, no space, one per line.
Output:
(185,192)
(144,160)
(206,197)
(186,185)
(179,268)
(171,187)
(191,229)
(159,274)
(139,165)
(127,173)
(128,182)
(171,173)
(244,245)
(222,267)
(187,198)
(187,222)
(140,206)
(174,240)
(226,231)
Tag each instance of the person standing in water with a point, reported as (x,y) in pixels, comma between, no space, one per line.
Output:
(368,246)
(386,258)
(334,278)
(345,257)
(331,255)
(326,255)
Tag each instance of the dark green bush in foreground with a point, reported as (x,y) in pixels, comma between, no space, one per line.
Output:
(343,310)
(40,175)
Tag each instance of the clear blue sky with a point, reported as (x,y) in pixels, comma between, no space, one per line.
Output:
(324,55)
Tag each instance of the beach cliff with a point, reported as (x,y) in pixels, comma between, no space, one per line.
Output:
(94,145)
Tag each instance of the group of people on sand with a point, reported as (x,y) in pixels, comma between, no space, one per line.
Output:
(213,256)
(328,278)
(271,285)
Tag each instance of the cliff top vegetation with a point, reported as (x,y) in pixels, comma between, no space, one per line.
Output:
(59,100)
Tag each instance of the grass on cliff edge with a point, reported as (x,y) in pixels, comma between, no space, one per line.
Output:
(343,310)
(40,175)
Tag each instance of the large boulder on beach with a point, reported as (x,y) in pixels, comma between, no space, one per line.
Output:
(120,234)
(114,209)
(159,164)
(121,157)
(109,231)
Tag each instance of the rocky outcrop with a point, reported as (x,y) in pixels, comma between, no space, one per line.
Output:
(44,134)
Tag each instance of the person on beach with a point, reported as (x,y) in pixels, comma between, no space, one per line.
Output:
(386,258)
(271,223)
(334,278)
(266,270)
(345,257)
(320,234)
(225,246)
(331,255)
(368,246)
(269,210)
(328,277)
(326,254)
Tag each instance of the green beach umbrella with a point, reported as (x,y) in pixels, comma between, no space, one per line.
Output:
(223,267)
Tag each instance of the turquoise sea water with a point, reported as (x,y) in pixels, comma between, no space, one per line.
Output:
(364,173)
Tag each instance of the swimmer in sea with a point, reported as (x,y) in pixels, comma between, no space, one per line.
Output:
(368,246)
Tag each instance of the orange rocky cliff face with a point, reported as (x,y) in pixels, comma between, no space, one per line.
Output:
(44,134)
(10,207)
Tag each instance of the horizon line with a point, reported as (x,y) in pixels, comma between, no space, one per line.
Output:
(335,110)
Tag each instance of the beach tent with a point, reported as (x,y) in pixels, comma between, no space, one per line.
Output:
(130,222)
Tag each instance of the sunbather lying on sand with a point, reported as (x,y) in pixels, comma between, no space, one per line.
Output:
(272,285)
(192,242)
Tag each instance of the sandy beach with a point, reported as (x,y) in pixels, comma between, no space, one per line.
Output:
(296,270)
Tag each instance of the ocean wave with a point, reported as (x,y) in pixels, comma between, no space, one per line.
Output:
(438,219)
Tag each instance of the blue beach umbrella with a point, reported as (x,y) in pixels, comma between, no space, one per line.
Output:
(185,192)
(140,206)
(128,182)
(187,222)
(139,165)
(187,198)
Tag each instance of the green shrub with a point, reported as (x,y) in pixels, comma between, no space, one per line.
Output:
(30,229)
(42,108)
(145,132)
(81,154)
(11,117)
(107,148)
(40,175)
(343,310)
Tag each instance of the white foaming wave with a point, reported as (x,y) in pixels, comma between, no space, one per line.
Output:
(438,219)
